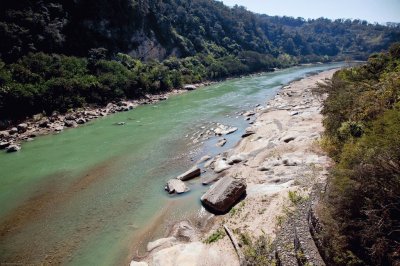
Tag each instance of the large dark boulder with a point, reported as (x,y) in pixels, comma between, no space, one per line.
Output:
(224,194)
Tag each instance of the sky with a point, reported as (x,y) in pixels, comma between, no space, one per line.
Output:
(380,11)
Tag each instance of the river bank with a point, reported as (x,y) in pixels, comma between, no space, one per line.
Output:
(280,157)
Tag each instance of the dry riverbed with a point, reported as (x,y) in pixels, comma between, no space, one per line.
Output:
(279,154)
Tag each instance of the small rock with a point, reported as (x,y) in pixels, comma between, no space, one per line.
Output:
(294,113)
(248,133)
(4,134)
(13,131)
(189,87)
(236,158)
(4,144)
(44,122)
(22,127)
(204,159)
(221,143)
(249,113)
(59,128)
(70,123)
(289,162)
(263,168)
(13,148)
(120,123)
(221,165)
(288,138)
(176,186)
(189,174)
(80,120)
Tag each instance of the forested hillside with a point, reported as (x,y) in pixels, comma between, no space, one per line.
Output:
(157,29)
(361,210)
(59,54)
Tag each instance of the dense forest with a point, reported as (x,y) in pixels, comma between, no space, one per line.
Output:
(361,210)
(57,55)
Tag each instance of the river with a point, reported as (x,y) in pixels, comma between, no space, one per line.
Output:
(95,194)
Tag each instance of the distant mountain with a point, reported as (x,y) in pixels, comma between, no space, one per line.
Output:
(148,29)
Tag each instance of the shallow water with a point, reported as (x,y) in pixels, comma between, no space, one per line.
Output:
(87,196)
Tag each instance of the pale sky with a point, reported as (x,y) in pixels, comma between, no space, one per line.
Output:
(380,11)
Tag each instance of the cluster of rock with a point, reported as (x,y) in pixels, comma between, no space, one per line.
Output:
(176,185)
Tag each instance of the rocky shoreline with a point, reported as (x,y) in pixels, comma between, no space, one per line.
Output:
(279,162)
(39,125)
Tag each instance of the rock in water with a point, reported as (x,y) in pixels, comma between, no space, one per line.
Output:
(176,186)
(13,148)
(189,174)
(4,144)
(224,194)
(221,143)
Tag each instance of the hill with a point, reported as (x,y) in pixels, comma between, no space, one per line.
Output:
(59,54)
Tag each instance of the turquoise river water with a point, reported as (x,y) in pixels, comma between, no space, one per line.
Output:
(95,194)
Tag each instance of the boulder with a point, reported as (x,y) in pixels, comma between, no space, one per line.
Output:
(4,134)
(44,122)
(189,87)
(289,162)
(289,137)
(80,120)
(229,130)
(22,127)
(189,174)
(249,113)
(176,186)
(70,123)
(237,158)
(70,117)
(161,243)
(59,128)
(224,194)
(13,148)
(220,142)
(220,165)
(4,144)
(248,132)
(203,159)
(13,131)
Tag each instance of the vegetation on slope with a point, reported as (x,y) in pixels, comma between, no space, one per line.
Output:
(361,210)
